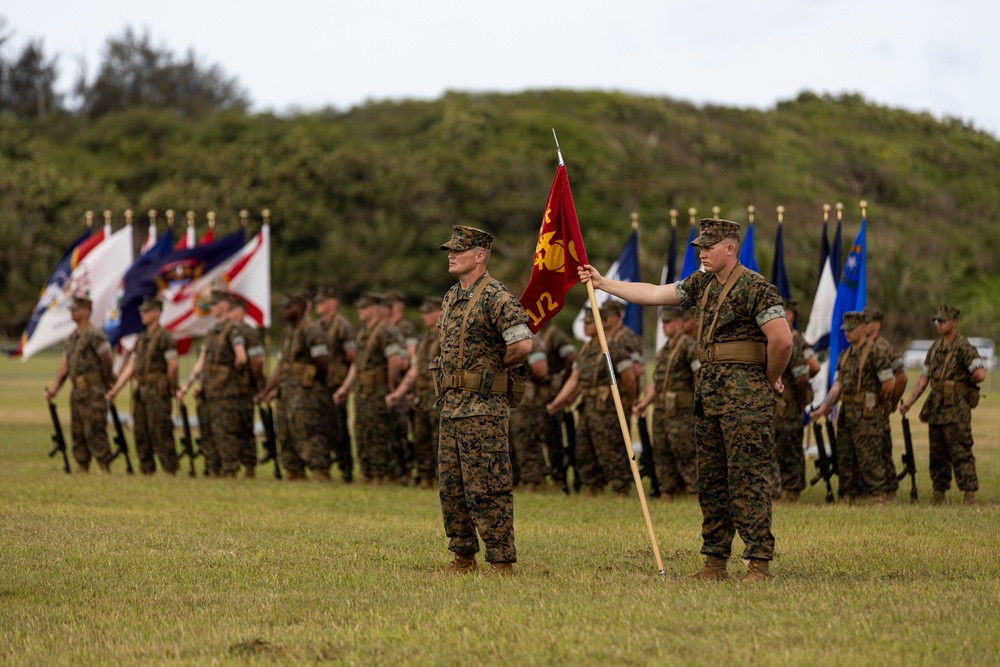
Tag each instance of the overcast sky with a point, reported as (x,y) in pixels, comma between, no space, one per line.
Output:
(924,55)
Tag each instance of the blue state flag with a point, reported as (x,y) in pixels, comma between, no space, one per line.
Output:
(626,268)
(851,295)
(691,261)
(747,256)
(161,267)
(50,293)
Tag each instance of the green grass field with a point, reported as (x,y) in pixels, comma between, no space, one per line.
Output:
(98,570)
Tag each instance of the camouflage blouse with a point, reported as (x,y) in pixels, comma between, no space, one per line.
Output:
(752,303)
(963,362)
(499,321)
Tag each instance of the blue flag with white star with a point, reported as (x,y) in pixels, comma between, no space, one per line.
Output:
(851,295)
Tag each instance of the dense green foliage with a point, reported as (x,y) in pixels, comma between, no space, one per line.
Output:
(364,197)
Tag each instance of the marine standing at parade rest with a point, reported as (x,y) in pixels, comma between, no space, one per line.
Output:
(561,355)
(299,382)
(789,477)
(250,380)
(954,370)
(340,340)
(743,345)
(529,422)
(87,365)
(484,336)
(402,454)
(863,382)
(672,396)
(874,317)
(377,369)
(419,380)
(223,356)
(153,363)
(601,457)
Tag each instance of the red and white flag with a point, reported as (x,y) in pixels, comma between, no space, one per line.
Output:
(246,274)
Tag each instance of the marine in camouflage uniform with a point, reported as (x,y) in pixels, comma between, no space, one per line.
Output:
(788,477)
(874,317)
(153,364)
(250,379)
(484,336)
(377,369)
(744,344)
(863,381)
(561,353)
(403,461)
(342,344)
(222,408)
(954,370)
(529,422)
(418,384)
(601,456)
(87,365)
(672,396)
(300,381)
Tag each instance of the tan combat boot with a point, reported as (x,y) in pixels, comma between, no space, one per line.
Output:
(104,468)
(426,483)
(295,476)
(758,570)
(499,570)
(321,475)
(213,474)
(82,468)
(461,564)
(937,498)
(970,498)
(714,569)
(249,471)
(231,474)
(792,497)
(376,480)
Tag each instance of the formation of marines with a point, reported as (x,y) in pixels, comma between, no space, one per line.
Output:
(564,420)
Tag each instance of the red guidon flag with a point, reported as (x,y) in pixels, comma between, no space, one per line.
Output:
(557,255)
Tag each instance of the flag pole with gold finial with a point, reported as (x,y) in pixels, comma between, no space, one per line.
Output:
(622,421)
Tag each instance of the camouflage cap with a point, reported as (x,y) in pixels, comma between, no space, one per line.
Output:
(689,314)
(873,314)
(81,299)
(236,301)
(295,297)
(612,307)
(324,292)
(395,296)
(430,304)
(853,319)
(947,312)
(466,238)
(150,303)
(714,230)
(671,314)
(588,316)
(369,299)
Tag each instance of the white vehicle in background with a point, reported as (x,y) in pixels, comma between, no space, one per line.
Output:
(916,353)
(987,351)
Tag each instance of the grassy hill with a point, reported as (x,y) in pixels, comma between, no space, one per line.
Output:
(363,198)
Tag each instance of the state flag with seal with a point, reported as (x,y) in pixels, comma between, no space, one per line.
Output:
(558,253)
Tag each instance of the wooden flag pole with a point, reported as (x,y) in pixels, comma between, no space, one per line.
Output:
(622,422)
(626,433)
